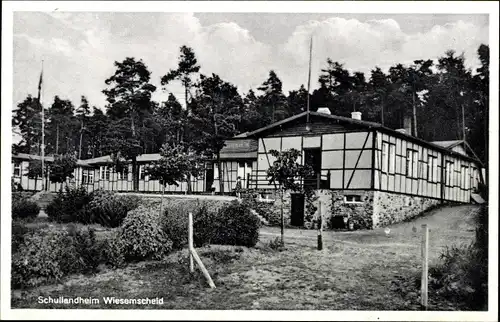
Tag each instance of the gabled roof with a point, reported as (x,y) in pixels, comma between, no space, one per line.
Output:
(365,124)
(448,144)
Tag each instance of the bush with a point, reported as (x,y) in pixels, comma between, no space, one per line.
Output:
(24,209)
(112,251)
(463,274)
(143,235)
(51,253)
(234,224)
(68,206)
(107,209)
(176,221)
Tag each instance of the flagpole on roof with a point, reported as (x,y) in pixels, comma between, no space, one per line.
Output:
(309,77)
(40,99)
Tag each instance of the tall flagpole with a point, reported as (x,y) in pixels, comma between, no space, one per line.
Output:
(40,99)
(309,77)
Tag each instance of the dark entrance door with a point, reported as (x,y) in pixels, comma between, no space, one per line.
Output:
(312,157)
(297,213)
(209,179)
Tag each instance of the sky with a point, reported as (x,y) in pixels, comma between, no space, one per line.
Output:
(79,48)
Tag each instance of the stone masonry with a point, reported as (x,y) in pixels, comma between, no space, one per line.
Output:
(372,209)
(389,208)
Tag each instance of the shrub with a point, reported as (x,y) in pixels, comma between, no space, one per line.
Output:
(24,209)
(19,232)
(236,225)
(107,209)
(143,235)
(112,251)
(276,244)
(463,274)
(176,221)
(68,206)
(51,253)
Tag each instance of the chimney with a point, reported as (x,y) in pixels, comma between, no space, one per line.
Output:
(356,115)
(407,124)
(402,131)
(324,110)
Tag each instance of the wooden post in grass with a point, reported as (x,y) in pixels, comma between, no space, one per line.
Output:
(194,254)
(190,242)
(320,227)
(202,267)
(320,216)
(425,265)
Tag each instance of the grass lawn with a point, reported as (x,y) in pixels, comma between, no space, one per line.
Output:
(361,270)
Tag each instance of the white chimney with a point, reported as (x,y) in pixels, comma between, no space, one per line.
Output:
(356,115)
(324,110)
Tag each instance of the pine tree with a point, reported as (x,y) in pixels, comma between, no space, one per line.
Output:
(129,105)
(27,122)
(273,98)
(215,116)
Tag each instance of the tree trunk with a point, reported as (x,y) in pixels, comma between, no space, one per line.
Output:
(382,110)
(221,176)
(414,114)
(161,200)
(135,175)
(57,139)
(80,145)
(282,220)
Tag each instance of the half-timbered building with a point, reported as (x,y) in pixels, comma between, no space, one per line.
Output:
(364,171)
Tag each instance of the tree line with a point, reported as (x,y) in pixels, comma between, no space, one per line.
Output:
(431,93)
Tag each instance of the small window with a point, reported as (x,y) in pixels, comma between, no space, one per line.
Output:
(465,175)
(450,171)
(87,176)
(104,172)
(352,199)
(432,168)
(17,169)
(385,156)
(142,172)
(123,175)
(216,172)
(411,163)
(392,158)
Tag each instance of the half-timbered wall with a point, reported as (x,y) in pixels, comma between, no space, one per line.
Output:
(410,168)
(347,156)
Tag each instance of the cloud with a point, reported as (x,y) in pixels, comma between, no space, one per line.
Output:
(361,46)
(79,49)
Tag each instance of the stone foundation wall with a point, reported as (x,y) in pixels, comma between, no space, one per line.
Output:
(360,213)
(390,208)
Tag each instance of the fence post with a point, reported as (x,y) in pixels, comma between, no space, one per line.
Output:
(320,227)
(190,241)
(248,180)
(425,265)
(318,180)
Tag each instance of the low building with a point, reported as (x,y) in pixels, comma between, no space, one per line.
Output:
(365,172)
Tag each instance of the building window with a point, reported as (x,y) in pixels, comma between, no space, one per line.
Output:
(352,199)
(143,172)
(411,163)
(17,169)
(104,172)
(385,156)
(87,176)
(392,158)
(464,176)
(123,175)
(432,168)
(216,172)
(450,171)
